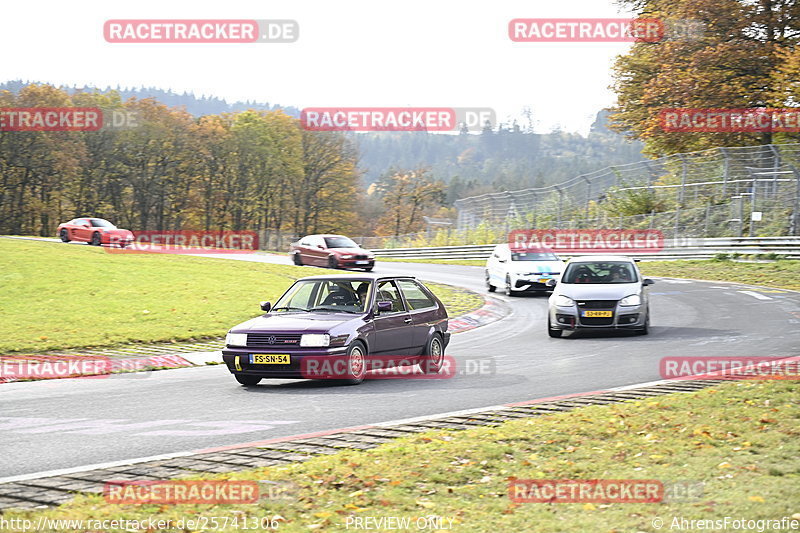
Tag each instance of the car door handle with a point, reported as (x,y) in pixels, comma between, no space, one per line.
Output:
(407,319)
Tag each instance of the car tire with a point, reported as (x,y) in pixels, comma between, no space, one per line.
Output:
(64,234)
(555,333)
(95,239)
(433,359)
(247,381)
(489,286)
(297,259)
(356,363)
(644,330)
(332,262)
(509,290)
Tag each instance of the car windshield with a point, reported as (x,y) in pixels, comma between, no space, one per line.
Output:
(100,223)
(339,242)
(600,272)
(533,256)
(323,295)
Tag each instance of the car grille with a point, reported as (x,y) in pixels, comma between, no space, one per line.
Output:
(597,321)
(597,304)
(272,339)
(362,256)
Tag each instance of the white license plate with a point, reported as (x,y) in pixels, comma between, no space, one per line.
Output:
(362,262)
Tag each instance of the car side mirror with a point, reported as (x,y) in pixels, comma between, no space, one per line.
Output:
(266,306)
(551,283)
(384,306)
(647,281)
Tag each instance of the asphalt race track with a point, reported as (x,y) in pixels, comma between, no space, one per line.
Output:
(60,424)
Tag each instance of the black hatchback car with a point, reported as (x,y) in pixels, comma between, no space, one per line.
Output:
(338,327)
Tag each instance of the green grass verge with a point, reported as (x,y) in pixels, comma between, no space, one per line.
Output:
(784,274)
(740,440)
(467,262)
(55,296)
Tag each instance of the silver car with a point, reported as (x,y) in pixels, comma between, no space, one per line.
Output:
(599,292)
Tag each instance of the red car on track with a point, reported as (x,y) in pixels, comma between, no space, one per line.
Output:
(94,231)
(332,251)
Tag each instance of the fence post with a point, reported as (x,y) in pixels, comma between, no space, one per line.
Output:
(795,223)
(725,170)
(588,194)
(753,207)
(560,201)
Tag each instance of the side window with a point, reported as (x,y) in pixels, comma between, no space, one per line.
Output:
(325,290)
(415,296)
(387,292)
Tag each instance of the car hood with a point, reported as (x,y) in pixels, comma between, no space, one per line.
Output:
(295,322)
(588,291)
(536,266)
(116,231)
(349,251)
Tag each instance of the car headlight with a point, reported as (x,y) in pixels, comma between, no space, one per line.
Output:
(564,301)
(315,340)
(633,299)
(236,339)
(347,256)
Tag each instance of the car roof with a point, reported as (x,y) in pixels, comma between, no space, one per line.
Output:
(363,276)
(589,258)
(525,249)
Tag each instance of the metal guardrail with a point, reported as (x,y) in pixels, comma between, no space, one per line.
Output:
(688,248)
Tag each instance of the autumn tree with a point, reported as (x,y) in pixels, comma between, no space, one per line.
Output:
(730,64)
(407,196)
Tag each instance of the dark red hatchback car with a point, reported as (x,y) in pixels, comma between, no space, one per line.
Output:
(94,231)
(332,251)
(339,327)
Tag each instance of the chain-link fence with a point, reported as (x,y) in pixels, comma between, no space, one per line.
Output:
(721,192)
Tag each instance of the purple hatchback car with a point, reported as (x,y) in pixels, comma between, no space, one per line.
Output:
(338,327)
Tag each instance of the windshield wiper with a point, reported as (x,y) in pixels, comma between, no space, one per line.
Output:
(289,308)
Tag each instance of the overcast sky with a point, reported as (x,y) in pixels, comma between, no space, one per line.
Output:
(350,53)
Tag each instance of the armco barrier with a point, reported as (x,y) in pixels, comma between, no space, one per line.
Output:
(689,248)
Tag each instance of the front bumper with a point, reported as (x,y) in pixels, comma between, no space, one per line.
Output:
(238,361)
(121,240)
(532,283)
(356,263)
(628,317)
